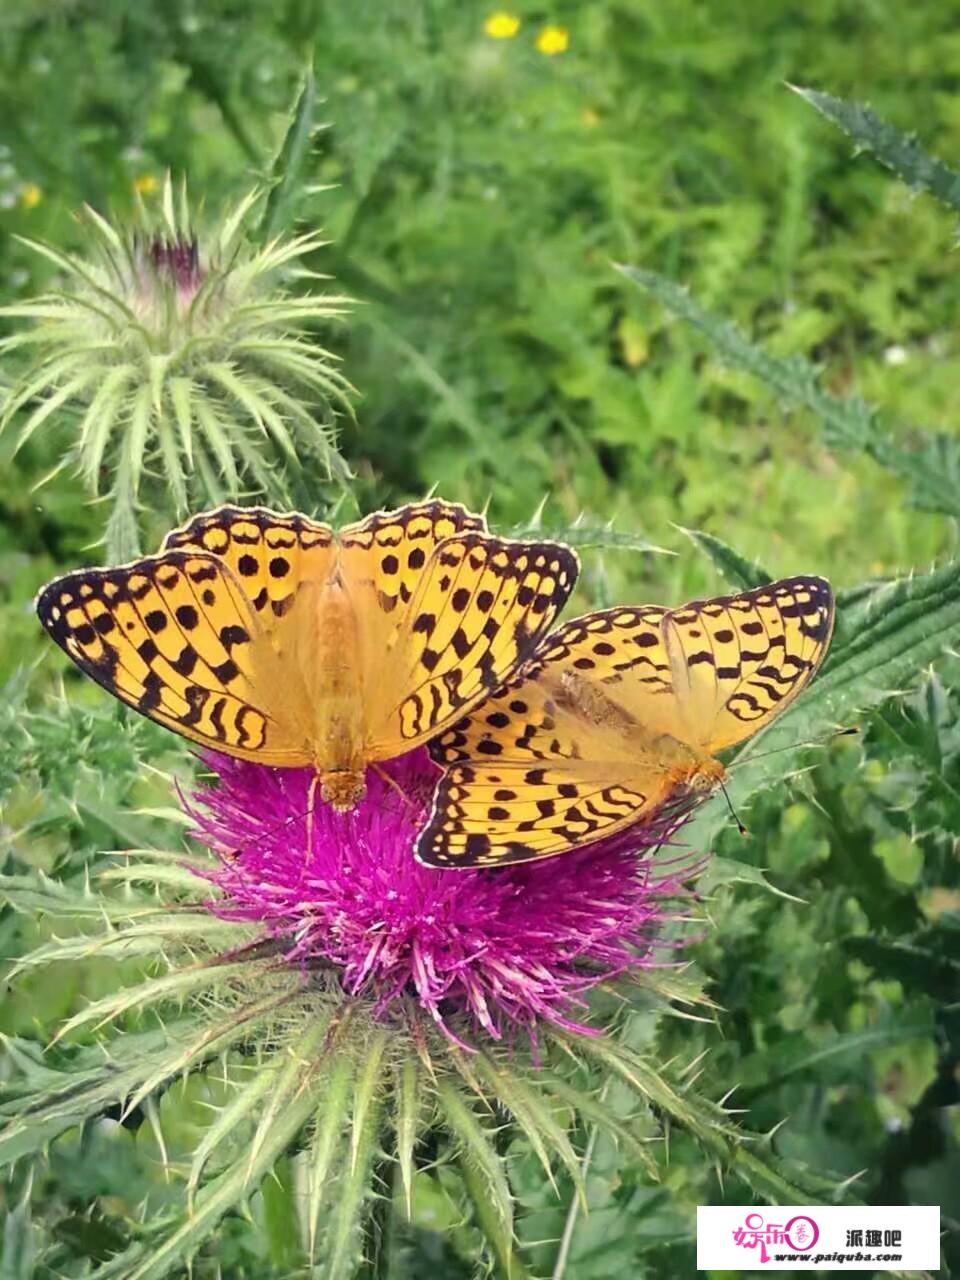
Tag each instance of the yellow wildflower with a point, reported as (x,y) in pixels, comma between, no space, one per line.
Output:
(501,25)
(31,195)
(146,184)
(589,117)
(553,40)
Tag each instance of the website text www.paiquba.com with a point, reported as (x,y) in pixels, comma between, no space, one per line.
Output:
(837,1257)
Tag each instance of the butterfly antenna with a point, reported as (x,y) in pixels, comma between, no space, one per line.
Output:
(850,731)
(289,821)
(733,813)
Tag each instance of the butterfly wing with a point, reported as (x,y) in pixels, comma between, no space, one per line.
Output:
(270,555)
(551,762)
(738,661)
(383,556)
(444,616)
(176,638)
(583,743)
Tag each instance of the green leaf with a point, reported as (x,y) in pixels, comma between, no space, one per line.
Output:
(356,1185)
(242,1109)
(533,1115)
(216,433)
(93,1081)
(122,537)
(409,1102)
(931,468)
(742,573)
(328,1139)
(19,1249)
(722,871)
(899,151)
(172,985)
(224,1193)
(102,416)
(483,1172)
(286,171)
(583,535)
(136,442)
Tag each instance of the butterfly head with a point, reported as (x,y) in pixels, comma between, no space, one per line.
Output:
(342,789)
(701,775)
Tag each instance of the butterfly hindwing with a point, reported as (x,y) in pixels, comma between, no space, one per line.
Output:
(173,636)
(485,815)
(270,554)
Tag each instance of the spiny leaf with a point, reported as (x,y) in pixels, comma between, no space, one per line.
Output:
(742,573)
(242,1108)
(534,1116)
(409,1104)
(175,984)
(899,151)
(286,171)
(483,1168)
(94,1081)
(931,468)
(224,1193)
(327,1137)
(356,1187)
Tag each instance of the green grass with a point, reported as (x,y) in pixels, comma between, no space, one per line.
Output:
(478,195)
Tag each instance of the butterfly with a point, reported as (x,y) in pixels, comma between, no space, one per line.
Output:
(276,639)
(619,713)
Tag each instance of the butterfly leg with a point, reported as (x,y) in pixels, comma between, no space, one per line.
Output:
(392,783)
(311,809)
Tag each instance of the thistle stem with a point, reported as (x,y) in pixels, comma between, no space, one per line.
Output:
(566,1240)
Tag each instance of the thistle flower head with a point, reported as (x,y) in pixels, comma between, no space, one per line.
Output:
(480,951)
(180,354)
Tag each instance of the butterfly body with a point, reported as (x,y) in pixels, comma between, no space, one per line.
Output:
(619,714)
(277,639)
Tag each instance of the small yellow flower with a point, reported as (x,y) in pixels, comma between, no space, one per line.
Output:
(30,196)
(146,184)
(553,40)
(589,117)
(501,25)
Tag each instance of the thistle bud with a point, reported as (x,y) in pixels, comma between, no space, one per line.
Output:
(185,360)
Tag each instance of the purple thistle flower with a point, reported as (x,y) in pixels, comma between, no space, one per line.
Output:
(498,949)
(176,260)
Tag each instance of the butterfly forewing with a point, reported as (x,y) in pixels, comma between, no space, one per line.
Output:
(383,556)
(173,636)
(270,554)
(479,610)
(740,660)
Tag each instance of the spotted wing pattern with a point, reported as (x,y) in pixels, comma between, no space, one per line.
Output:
(175,638)
(480,607)
(383,556)
(269,553)
(594,733)
(740,660)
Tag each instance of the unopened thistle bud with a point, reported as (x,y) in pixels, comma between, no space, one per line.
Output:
(183,357)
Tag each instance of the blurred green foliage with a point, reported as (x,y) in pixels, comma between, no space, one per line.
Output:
(480,192)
